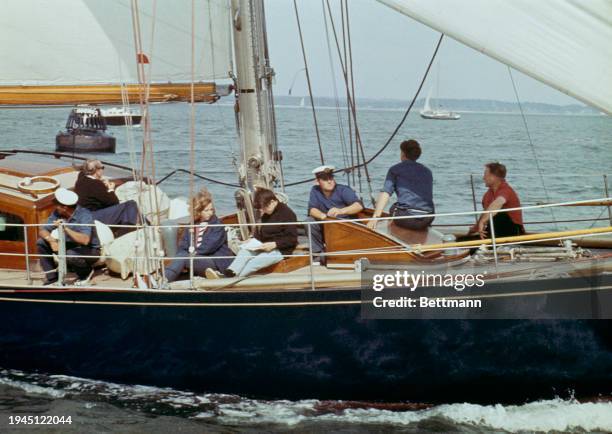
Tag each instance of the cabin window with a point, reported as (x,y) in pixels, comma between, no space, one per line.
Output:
(10,233)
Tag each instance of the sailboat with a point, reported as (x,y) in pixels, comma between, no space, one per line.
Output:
(437,114)
(300,329)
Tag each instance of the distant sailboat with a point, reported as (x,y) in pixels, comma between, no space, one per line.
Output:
(303,103)
(443,115)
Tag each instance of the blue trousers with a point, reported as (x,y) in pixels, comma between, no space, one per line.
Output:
(316,235)
(125,213)
(177,266)
(81,266)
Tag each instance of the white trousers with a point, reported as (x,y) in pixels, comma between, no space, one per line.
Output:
(247,262)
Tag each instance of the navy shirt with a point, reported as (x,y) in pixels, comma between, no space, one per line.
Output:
(341,196)
(412,183)
(80,216)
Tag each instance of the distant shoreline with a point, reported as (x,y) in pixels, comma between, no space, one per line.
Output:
(415,110)
(480,106)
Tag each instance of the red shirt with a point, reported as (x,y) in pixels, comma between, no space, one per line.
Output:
(512,201)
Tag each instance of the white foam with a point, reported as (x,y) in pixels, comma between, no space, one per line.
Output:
(33,388)
(547,415)
(550,415)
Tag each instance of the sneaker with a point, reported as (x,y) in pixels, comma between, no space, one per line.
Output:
(212,274)
(86,281)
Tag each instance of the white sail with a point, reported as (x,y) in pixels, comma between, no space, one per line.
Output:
(81,42)
(427,107)
(563,43)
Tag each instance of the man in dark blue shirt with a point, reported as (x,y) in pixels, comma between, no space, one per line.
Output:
(328,199)
(80,240)
(412,182)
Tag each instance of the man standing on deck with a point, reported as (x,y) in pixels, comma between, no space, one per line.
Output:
(80,240)
(499,196)
(412,182)
(97,194)
(329,199)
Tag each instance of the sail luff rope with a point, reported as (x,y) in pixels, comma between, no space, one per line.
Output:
(336,98)
(314,112)
(532,147)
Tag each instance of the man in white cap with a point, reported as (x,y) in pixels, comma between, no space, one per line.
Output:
(80,240)
(329,199)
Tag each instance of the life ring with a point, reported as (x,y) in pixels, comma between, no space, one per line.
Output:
(38,185)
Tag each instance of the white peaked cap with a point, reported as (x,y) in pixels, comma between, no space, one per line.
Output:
(66,197)
(324,168)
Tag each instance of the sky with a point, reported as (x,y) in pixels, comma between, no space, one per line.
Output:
(390,55)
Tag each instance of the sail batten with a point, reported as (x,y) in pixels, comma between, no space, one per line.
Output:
(562,43)
(91,42)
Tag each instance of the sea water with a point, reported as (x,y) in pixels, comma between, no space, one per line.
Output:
(555,158)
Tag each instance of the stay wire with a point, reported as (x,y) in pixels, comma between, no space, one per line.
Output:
(380,150)
(336,99)
(532,147)
(351,120)
(314,112)
(348,96)
(397,128)
(354,106)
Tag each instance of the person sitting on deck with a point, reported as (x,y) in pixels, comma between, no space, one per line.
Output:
(97,194)
(80,240)
(499,196)
(210,243)
(329,199)
(412,182)
(270,242)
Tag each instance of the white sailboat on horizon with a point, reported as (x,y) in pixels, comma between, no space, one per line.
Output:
(437,113)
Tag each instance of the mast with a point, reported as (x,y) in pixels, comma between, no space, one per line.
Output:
(260,159)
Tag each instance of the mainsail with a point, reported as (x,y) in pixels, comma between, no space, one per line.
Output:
(563,43)
(84,43)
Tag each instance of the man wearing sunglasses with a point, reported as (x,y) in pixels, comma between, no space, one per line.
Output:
(329,199)
(97,194)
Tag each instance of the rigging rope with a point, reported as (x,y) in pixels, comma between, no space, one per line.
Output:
(348,96)
(397,128)
(382,148)
(533,150)
(354,107)
(314,113)
(336,99)
(144,105)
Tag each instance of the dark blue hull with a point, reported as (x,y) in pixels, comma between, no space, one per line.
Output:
(299,344)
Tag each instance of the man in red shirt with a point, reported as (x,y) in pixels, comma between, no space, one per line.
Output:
(499,196)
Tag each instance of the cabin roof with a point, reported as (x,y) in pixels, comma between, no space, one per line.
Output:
(15,167)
